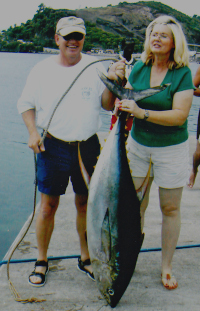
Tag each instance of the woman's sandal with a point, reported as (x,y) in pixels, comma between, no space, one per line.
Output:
(42,276)
(81,266)
(169,278)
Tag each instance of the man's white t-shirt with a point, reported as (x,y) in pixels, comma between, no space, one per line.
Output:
(78,115)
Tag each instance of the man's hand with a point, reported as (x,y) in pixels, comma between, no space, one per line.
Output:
(117,70)
(34,137)
(34,142)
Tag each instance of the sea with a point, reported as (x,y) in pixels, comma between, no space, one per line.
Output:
(16,159)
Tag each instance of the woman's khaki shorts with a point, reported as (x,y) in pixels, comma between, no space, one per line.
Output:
(170,165)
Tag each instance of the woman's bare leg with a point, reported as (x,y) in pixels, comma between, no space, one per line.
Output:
(170,200)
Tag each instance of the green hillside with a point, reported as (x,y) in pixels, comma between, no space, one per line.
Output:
(107,27)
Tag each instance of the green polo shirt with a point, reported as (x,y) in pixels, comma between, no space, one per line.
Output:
(150,134)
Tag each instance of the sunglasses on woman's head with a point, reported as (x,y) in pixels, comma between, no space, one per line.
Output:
(74,35)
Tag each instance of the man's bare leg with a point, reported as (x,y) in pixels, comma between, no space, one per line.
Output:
(44,230)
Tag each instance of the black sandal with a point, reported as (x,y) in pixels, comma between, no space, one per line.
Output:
(81,267)
(39,263)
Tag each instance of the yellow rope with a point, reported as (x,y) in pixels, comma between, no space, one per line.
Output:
(19,299)
(14,292)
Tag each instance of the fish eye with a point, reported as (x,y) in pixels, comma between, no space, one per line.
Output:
(111,292)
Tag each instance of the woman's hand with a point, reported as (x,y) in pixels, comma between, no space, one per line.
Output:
(131,107)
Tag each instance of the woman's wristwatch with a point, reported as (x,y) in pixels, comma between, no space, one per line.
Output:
(146,115)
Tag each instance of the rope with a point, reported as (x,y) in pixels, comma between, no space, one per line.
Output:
(11,286)
(143,250)
(16,295)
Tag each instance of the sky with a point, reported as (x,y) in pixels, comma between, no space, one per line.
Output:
(19,11)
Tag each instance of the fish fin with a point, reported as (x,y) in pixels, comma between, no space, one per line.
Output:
(138,95)
(112,85)
(141,191)
(142,239)
(84,173)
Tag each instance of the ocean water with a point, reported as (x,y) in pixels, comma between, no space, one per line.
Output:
(16,159)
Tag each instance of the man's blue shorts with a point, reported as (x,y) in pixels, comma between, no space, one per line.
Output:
(59,161)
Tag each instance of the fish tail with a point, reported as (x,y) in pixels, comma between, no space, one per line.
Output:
(141,191)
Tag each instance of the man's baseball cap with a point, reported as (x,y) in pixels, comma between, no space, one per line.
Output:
(67,25)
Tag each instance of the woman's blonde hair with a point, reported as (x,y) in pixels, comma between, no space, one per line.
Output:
(179,55)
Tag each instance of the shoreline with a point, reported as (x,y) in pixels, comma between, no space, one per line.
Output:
(49,51)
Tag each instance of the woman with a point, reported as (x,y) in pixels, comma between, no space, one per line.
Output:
(159,129)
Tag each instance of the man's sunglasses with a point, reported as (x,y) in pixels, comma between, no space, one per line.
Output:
(74,35)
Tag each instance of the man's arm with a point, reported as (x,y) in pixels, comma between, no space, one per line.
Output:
(196,82)
(34,137)
(115,71)
(196,155)
(195,164)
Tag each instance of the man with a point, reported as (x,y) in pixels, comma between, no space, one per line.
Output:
(196,155)
(76,119)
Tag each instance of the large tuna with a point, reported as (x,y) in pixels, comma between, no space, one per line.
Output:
(113,213)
